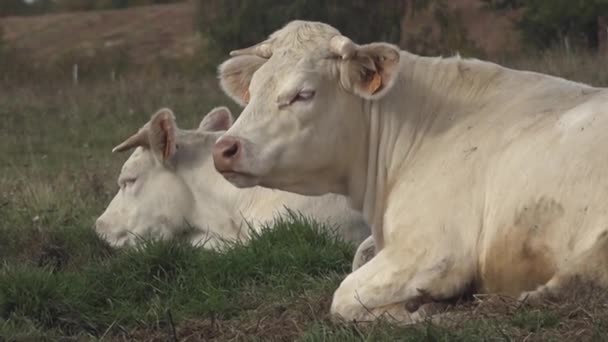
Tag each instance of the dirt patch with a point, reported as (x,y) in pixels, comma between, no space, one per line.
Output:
(143,32)
(580,313)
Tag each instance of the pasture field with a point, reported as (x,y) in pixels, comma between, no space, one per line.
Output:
(58,281)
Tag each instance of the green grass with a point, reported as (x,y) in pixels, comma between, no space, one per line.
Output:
(281,281)
(136,287)
(58,280)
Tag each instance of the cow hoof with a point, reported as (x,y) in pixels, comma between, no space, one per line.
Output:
(412,305)
(535,297)
(415,303)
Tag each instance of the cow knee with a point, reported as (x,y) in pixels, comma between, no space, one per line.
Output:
(355,300)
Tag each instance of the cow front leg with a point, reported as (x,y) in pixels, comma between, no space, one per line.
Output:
(394,283)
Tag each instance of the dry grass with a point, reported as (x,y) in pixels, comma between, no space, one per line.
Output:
(581,315)
(580,66)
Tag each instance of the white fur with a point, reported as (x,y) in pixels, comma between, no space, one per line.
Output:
(471,174)
(164,200)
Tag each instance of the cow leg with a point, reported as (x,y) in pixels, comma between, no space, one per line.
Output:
(393,284)
(590,266)
(365,252)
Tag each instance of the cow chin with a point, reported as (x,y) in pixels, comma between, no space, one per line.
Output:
(290,185)
(241,180)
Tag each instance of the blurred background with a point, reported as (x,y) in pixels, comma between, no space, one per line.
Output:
(77,76)
(109,38)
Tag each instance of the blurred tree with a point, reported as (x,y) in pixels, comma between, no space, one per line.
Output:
(89,5)
(120,3)
(21,7)
(444,33)
(548,22)
(41,6)
(75,5)
(12,7)
(503,4)
(2,40)
(232,24)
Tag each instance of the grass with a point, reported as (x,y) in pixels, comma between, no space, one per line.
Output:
(582,66)
(164,282)
(58,281)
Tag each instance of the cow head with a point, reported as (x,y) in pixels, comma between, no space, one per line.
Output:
(304,91)
(168,182)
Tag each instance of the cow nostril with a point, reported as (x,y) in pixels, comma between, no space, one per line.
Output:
(231,151)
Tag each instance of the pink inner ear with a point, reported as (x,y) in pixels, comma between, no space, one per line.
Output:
(220,119)
(375,84)
(168,139)
(223,123)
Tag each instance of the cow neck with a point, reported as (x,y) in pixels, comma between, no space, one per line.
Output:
(428,91)
(244,203)
(217,203)
(381,142)
(193,166)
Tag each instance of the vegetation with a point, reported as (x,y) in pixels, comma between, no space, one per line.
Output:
(78,286)
(545,23)
(452,35)
(22,7)
(91,5)
(57,279)
(232,24)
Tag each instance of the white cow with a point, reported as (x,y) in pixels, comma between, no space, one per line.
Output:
(473,176)
(169,183)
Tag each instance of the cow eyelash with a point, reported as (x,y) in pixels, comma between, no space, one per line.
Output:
(304,95)
(127,182)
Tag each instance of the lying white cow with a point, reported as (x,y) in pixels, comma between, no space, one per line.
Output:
(169,183)
(473,176)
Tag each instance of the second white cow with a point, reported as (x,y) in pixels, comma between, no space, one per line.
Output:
(169,187)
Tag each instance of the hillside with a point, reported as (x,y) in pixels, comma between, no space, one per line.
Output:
(145,32)
(169,30)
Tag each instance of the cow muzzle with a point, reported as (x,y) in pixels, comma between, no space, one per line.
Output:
(228,159)
(226,153)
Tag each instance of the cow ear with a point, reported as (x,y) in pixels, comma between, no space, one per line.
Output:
(371,71)
(235,75)
(161,134)
(218,119)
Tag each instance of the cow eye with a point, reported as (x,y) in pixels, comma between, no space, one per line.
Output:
(127,182)
(304,95)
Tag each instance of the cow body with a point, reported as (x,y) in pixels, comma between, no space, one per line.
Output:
(474,176)
(166,196)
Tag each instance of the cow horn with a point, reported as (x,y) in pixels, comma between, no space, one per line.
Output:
(342,46)
(138,139)
(263,49)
